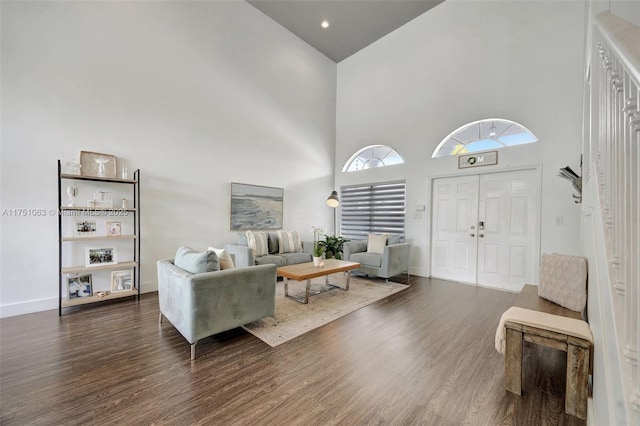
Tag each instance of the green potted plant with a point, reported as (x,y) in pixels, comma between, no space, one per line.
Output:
(333,246)
(318,249)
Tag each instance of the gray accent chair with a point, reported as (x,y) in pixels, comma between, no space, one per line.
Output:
(201,305)
(393,261)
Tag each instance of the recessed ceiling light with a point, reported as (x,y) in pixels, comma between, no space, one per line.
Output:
(324,24)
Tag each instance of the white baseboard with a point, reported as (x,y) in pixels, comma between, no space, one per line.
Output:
(28,307)
(51,303)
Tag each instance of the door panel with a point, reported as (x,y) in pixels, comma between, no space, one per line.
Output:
(507,206)
(455,210)
(503,253)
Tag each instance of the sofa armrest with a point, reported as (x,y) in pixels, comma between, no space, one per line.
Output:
(243,255)
(307,247)
(395,259)
(351,247)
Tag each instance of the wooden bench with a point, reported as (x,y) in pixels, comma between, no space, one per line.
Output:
(578,351)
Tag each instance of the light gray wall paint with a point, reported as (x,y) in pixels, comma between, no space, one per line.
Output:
(460,62)
(196,95)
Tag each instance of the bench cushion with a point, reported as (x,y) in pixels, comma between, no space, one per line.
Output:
(563,280)
(569,326)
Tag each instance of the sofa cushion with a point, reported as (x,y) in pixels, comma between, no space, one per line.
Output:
(289,242)
(376,243)
(257,242)
(224,258)
(563,280)
(367,259)
(293,258)
(196,262)
(271,259)
(393,239)
(242,239)
(272,242)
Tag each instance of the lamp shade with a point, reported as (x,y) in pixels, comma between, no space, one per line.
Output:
(333,200)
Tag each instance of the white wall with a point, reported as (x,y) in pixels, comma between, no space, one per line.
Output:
(460,62)
(196,95)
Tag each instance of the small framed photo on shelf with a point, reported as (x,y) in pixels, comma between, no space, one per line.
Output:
(121,281)
(79,286)
(103,200)
(100,256)
(85,228)
(114,228)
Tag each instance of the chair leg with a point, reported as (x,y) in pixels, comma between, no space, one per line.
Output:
(275,321)
(193,350)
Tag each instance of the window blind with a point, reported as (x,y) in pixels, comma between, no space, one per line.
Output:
(372,209)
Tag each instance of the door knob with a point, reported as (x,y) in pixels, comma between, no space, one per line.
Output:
(473,227)
(481,235)
(473,235)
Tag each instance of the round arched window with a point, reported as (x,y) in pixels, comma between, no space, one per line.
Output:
(483,135)
(372,156)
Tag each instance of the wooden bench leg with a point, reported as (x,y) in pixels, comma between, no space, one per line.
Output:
(577,381)
(513,361)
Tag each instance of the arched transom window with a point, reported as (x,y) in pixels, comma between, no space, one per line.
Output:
(483,135)
(372,156)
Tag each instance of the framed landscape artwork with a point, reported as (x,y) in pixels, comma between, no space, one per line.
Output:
(256,207)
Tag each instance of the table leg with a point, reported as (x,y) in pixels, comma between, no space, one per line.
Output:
(306,293)
(348,277)
(576,392)
(513,361)
(286,287)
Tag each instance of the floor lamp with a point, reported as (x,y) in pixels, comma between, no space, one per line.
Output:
(333,201)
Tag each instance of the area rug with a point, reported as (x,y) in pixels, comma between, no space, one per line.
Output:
(295,319)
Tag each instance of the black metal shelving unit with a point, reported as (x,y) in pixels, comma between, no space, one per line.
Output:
(135,237)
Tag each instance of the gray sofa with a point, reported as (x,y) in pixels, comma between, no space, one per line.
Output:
(244,255)
(200,305)
(393,261)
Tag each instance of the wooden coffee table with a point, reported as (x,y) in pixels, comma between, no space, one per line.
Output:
(306,271)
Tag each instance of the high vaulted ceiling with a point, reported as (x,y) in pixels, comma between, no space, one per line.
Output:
(353,24)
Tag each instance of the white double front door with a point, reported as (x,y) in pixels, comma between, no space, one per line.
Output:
(485,229)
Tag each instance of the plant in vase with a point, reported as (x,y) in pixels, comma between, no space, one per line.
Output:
(333,246)
(318,249)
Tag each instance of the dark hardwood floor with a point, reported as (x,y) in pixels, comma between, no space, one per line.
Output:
(422,356)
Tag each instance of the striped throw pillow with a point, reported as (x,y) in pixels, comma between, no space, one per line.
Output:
(257,242)
(289,242)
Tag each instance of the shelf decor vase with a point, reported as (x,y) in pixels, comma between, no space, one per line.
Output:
(72,192)
(317,260)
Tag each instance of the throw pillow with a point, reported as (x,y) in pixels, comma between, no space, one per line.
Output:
(289,242)
(376,243)
(258,243)
(196,262)
(563,280)
(226,262)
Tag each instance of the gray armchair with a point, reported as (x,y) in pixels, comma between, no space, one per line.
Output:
(393,261)
(204,304)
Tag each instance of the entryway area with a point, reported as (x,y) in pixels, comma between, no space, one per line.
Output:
(485,228)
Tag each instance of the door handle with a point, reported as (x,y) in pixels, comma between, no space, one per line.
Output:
(481,235)
(473,235)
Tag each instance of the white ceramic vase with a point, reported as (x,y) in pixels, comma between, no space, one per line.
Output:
(317,260)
